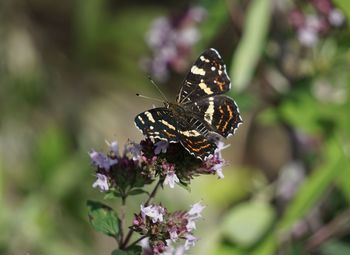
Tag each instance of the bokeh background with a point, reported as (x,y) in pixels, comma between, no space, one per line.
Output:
(69,71)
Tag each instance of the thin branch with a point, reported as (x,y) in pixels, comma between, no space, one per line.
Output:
(135,242)
(337,227)
(153,193)
(151,196)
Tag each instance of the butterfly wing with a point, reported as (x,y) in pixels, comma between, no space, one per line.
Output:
(207,77)
(157,123)
(219,112)
(193,136)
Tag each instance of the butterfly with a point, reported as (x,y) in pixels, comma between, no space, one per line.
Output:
(200,111)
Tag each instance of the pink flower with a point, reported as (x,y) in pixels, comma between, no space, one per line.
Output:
(336,18)
(101,183)
(191,225)
(101,160)
(170,179)
(196,209)
(190,241)
(161,147)
(173,234)
(155,212)
(114,147)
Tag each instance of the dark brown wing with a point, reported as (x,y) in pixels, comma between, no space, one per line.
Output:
(193,136)
(207,77)
(220,113)
(158,123)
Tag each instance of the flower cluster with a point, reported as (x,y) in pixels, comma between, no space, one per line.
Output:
(141,164)
(310,26)
(162,228)
(171,40)
(119,173)
(125,174)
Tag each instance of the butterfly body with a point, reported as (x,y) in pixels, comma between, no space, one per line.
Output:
(200,109)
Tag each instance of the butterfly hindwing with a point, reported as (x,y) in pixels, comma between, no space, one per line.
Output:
(192,136)
(219,112)
(157,123)
(207,77)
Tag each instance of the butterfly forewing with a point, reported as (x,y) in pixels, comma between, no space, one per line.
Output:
(158,123)
(207,77)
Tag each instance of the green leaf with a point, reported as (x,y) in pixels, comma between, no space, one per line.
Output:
(247,223)
(134,250)
(136,192)
(103,218)
(217,17)
(252,43)
(112,195)
(335,247)
(344,5)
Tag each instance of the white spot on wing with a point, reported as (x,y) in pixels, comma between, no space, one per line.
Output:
(196,70)
(139,117)
(204,59)
(190,133)
(150,117)
(167,124)
(209,113)
(206,89)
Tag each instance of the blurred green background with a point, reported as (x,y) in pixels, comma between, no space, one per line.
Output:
(69,71)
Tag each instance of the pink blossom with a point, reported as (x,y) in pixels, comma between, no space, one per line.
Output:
(190,241)
(101,183)
(196,209)
(155,212)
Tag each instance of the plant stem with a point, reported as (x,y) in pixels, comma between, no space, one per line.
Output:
(122,220)
(128,237)
(337,227)
(135,242)
(153,194)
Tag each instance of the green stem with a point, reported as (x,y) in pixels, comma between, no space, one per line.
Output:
(122,221)
(129,235)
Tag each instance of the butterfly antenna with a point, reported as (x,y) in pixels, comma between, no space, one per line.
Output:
(151,98)
(188,95)
(159,90)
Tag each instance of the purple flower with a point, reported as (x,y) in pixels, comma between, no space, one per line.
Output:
(170,250)
(173,234)
(155,212)
(170,179)
(291,177)
(114,147)
(101,160)
(191,225)
(215,163)
(134,149)
(296,18)
(323,6)
(101,183)
(308,36)
(190,241)
(171,39)
(161,146)
(195,211)
(336,18)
